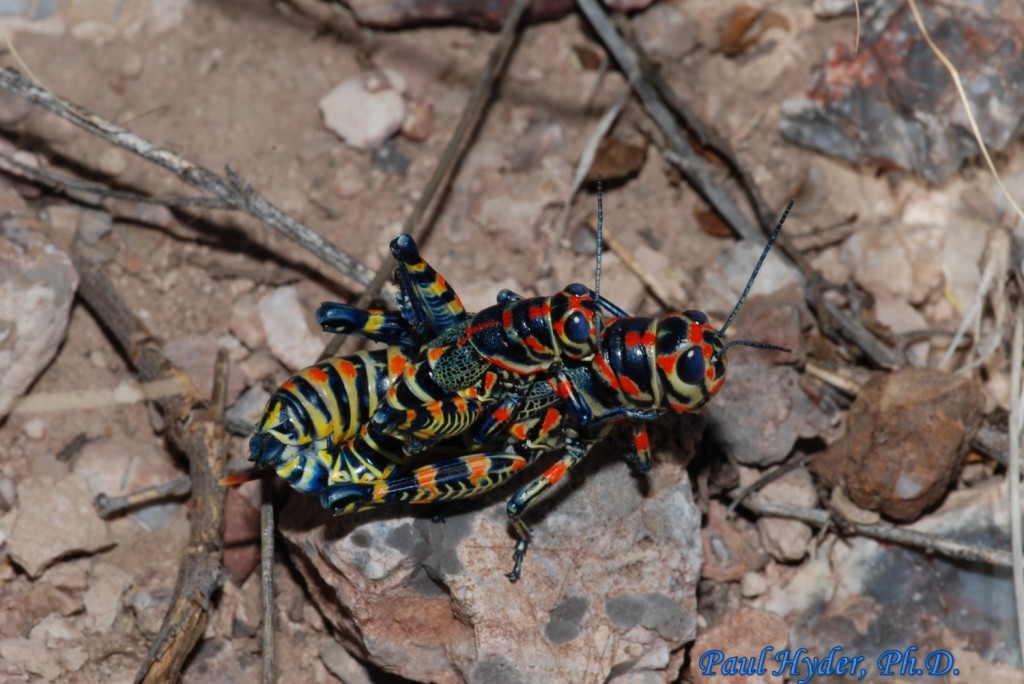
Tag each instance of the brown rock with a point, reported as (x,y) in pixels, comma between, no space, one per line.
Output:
(904,445)
(608,584)
(617,159)
(241,537)
(728,554)
(419,120)
(785,540)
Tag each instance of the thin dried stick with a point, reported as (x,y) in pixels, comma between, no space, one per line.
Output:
(1016,422)
(109,506)
(693,168)
(704,133)
(94,191)
(196,428)
(433,194)
(997,263)
(697,173)
(622,251)
(201,570)
(267,582)
(233,190)
(767,479)
(882,531)
(71,449)
(587,156)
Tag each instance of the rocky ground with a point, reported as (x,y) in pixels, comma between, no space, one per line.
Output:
(631,579)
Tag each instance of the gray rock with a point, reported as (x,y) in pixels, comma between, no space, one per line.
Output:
(103,598)
(343,665)
(891,105)
(786,540)
(599,537)
(365,110)
(22,657)
(115,467)
(761,410)
(905,596)
(37,286)
(55,519)
(288,336)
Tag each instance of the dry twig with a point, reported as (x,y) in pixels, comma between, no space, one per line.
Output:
(196,428)
(704,133)
(267,634)
(91,193)
(586,160)
(833,320)
(691,165)
(882,531)
(109,506)
(1016,425)
(233,190)
(767,479)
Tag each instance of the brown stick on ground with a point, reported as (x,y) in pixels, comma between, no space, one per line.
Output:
(698,174)
(882,531)
(233,190)
(196,428)
(693,168)
(430,201)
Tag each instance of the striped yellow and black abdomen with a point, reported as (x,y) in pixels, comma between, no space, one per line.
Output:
(318,410)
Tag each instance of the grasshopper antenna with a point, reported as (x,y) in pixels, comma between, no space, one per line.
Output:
(597,264)
(750,281)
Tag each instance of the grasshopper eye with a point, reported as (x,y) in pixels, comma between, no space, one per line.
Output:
(577,328)
(696,316)
(690,366)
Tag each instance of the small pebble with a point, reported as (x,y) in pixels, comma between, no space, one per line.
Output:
(94,226)
(34,428)
(349,182)
(364,110)
(288,335)
(112,162)
(26,159)
(132,65)
(419,120)
(6,494)
(98,359)
(753,584)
